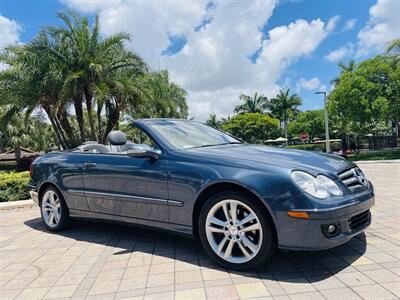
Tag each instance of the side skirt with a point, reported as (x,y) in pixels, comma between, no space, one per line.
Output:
(186,231)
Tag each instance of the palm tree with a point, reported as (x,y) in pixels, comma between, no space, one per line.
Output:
(255,104)
(394,46)
(285,107)
(349,67)
(88,58)
(212,121)
(33,81)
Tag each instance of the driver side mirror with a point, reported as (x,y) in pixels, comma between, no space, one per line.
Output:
(142,152)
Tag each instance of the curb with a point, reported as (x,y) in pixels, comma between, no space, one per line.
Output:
(16,204)
(371,162)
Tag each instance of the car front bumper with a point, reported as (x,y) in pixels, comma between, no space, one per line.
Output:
(310,234)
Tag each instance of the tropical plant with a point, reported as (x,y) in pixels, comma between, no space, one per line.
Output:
(163,98)
(367,98)
(255,104)
(285,107)
(394,47)
(76,76)
(89,60)
(311,121)
(253,127)
(349,67)
(213,121)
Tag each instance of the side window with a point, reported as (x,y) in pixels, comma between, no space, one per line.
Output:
(137,136)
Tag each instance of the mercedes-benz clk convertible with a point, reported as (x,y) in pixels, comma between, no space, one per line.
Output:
(241,201)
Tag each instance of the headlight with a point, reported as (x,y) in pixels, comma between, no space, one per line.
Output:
(319,187)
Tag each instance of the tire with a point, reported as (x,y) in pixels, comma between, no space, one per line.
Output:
(53,209)
(242,247)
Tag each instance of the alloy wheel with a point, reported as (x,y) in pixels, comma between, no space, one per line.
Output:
(51,208)
(234,231)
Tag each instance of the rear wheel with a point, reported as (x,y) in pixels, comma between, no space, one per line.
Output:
(53,209)
(236,232)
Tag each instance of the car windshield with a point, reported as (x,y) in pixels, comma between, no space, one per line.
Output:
(186,134)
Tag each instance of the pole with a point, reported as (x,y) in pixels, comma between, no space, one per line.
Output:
(328,144)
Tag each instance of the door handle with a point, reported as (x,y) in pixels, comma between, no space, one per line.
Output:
(89,164)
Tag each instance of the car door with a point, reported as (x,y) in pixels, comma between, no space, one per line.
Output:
(124,186)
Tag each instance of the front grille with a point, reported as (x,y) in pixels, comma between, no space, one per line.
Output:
(360,221)
(354,179)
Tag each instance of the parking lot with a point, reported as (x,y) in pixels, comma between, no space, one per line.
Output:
(106,261)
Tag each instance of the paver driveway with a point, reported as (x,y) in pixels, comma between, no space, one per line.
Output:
(107,261)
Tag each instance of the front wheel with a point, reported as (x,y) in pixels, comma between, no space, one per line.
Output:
(236,231)
(53,209)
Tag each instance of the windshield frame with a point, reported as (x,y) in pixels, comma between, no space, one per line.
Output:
(148,126)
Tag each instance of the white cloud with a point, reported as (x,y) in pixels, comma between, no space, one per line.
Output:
(340,53)
(9,34)
(214,65)
(383,26)
(310,84)
(331,25)
(350,23)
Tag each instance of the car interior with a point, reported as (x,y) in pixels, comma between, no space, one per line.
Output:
(118,144)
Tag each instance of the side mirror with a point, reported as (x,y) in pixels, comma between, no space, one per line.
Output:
(142,152)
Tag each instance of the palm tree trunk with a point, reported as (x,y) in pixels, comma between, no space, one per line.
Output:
(285,129)
(112,120)
(66,126)
(89,100)
(17,152)
(61,131)
(79,117)
(59,138)
(99,126)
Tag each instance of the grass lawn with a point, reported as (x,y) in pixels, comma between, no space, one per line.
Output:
(379,155)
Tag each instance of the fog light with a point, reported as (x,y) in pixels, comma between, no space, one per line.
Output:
(331,228)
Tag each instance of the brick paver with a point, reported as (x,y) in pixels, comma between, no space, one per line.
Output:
(96,260)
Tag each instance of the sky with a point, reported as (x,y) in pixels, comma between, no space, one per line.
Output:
(218,49)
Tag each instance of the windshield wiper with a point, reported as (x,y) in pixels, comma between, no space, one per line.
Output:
(209,145)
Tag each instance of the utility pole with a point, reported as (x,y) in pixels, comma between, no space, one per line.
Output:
(328,144)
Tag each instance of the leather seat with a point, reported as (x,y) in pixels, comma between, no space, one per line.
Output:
(117,140)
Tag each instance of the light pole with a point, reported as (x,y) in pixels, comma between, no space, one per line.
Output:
(328,144)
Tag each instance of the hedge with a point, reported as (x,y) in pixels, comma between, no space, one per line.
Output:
(335,146)
(13,186)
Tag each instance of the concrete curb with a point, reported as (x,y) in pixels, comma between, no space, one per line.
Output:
(371,162)
(16,204)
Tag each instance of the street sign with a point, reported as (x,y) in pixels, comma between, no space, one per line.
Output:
(304,136)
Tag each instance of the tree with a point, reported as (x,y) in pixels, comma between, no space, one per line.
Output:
(349,67)
(311,121)
(163,98)
(394,46)
(66,68)
(212,121)
(87,58)
(255,104)
(253,127)
(285,107)
(31,82)
(367,97)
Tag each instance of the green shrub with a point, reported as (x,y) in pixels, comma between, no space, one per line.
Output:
(335,146)
(13,186)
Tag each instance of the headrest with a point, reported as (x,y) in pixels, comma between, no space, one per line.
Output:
(117,138)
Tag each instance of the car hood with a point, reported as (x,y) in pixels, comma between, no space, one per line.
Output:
(313,162)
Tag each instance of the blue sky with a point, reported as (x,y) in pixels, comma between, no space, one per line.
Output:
(217,50)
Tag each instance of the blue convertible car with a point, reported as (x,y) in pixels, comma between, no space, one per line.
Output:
(241,201)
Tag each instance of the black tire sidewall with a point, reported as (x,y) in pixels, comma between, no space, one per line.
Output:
(269,243)
(64,211)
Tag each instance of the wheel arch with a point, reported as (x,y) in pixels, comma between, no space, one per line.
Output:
(215,188)
(44,186)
